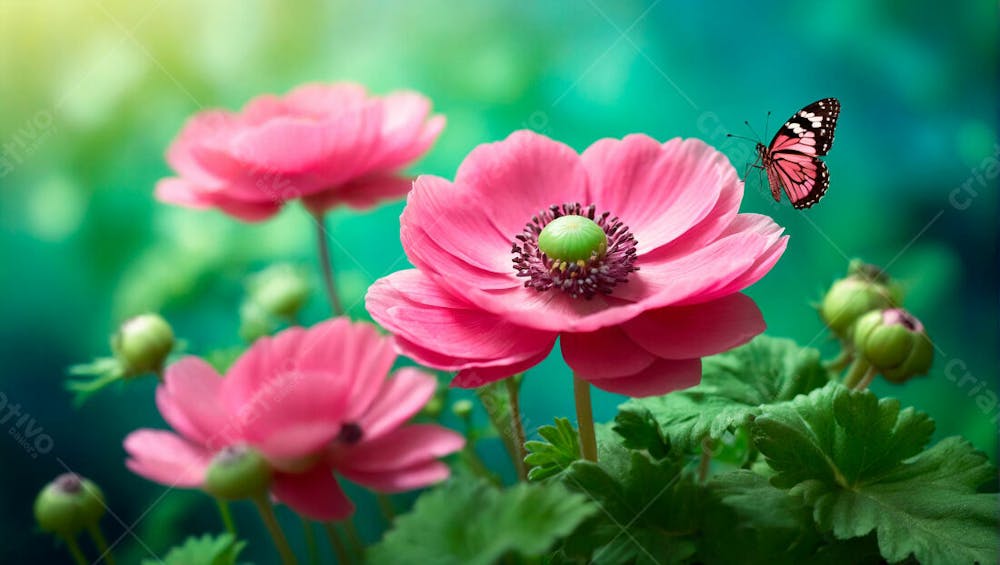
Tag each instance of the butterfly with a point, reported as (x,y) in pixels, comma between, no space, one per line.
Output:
(792,160)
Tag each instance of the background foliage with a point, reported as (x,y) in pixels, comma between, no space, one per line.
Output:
(94,90)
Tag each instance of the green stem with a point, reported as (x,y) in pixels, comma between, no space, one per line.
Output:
(842,361)
(102,544)
(499,418)
(326,265)
(310,536)
(385,505)
(585,419)
(336,543)
(857,372)
(271,522)
(74,549)
(705,463)
(866,380)
(226,515)
(517,427)
(353,538)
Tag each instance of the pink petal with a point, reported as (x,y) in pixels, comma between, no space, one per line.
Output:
(294,415)
(360,194)
(441,212)
(355,353)
(409,304)
(314,494)
(401,449)
(179,191)
(659,191)
(604,353)
(685,332)
(775,246)
(212,128)
(661,377)
(399,399)
(318,99)
(331,148)
(473,375)
(166,458)
(511,180)
(406,131)
(190,400)
(418,476)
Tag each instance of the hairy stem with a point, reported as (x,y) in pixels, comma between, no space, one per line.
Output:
(585,419)
(271,522)
(517,426)
(326,266)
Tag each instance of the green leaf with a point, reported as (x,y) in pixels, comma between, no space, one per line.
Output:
(856,461)
(205,550)
(733,388)
(469,521)
(751,513)
(554,455)
(649,508)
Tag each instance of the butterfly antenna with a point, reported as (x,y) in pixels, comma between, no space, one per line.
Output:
(767,123)
(749,127)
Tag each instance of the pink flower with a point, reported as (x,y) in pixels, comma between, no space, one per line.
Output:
(312,401)
(327,144)
(634,318)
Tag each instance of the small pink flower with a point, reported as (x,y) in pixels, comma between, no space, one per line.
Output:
(313,402)
(635,317)
(327,144)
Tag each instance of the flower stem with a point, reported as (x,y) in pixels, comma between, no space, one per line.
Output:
(271,522)
(585,419)
(841,361)
(74,550)
(336,543)
(499,414)
(856,372)
(353,538)
(866,380)
(102,544)
(226,515)
(323,248)
(385,505)
(516,426)
(310,536)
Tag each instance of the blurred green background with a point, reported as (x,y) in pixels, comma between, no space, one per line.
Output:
(93,91)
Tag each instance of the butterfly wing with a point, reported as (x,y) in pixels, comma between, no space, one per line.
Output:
(793,155)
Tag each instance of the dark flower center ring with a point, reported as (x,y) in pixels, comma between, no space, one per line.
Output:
(573,249)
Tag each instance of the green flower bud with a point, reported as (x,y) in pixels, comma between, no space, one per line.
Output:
(68,505)
(142,344)
(280,291)
(865,288)
(238,472)
(462,408)
(434,406)
(895,344)
(572,238)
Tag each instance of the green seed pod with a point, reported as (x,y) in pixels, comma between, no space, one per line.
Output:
(238,473)
(68,505)
(142,344)
(895,344)
(865,288)
(572,238)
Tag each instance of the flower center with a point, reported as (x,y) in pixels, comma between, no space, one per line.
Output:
(350,433)
(571,248)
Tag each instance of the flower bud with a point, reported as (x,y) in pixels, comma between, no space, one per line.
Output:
(895,344)
(238,472)
(142,344)
(865,288)
(462,408)
(68,505)
(279,291)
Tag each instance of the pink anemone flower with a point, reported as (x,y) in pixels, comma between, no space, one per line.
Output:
(633,254)
(328,144)
(314,402)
